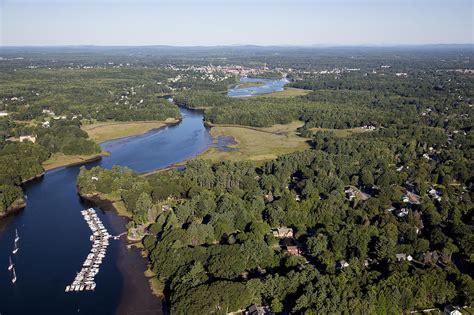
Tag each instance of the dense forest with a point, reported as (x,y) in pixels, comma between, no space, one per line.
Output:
(217,240)
(22,160)
(374,222)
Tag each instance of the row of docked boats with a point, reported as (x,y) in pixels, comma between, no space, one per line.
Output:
(84,279)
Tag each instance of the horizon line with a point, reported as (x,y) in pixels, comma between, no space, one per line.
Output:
(240,45)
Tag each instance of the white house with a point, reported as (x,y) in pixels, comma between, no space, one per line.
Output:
(452,310)
(28,138)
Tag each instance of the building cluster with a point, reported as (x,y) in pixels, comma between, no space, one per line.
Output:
(233,70)
(287,240)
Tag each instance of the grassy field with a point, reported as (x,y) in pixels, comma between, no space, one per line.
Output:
(105,131)
(287,92)
(244,85)
(341,132)
(257,144)
(59,159)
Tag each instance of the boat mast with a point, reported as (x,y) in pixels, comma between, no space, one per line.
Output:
(15,249)
(10,267)
(14,276)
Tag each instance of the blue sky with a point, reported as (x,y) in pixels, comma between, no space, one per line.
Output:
(228,22)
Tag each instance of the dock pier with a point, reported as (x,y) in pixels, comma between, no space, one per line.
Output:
(84,280)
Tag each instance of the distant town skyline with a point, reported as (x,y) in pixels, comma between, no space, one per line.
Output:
(230,22)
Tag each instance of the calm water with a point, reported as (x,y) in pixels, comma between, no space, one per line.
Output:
(268,87)
(55,238)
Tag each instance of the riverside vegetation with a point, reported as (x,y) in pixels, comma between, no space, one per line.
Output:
(381,220)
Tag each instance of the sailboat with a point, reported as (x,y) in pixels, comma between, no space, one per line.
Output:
(17,238)
(15,250)
(10,266)
(14,276)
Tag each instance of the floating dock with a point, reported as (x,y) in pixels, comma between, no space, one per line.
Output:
(84,280)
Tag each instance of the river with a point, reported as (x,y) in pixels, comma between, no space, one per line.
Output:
(54,238)
(269,86)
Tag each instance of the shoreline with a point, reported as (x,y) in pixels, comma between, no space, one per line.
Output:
(16,206)
(132,263)
(100,155)
(164,124)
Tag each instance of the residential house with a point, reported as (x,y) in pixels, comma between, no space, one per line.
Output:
(258,310)
(269,196)
(28,138)
(165,208)
(401,257)
(435,194)
(403,212)
(452,310)
(430,257)
(350,193)
(369,261)
(3,114)
(391,209)
(48,112)
(283,232)
(342,264)
(293,250)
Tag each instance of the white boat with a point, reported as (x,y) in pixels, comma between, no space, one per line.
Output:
(10,266)
(14,276)
(15,250)
(67,289)
(17,238)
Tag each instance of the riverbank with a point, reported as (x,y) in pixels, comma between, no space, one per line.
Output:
(17,205)
(287,92)
(245,85)
(61,160)
(106,131)
(107,203)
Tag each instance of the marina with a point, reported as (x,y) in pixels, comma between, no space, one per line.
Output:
(84,279)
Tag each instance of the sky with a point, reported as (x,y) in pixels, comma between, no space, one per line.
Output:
(235,22)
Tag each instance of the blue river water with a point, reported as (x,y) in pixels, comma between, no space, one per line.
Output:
(54,238)
(268,86)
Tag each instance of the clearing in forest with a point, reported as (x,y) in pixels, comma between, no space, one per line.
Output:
(257,144)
